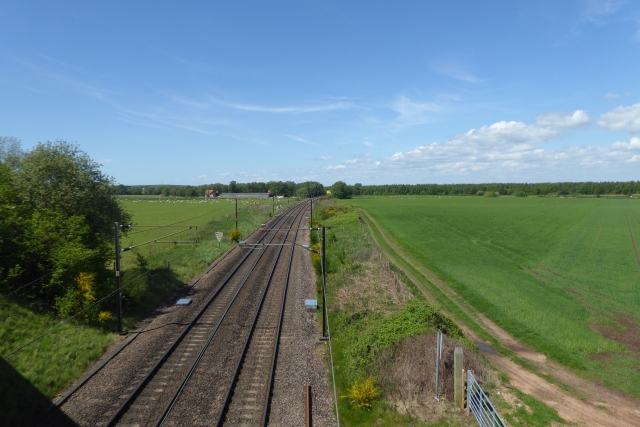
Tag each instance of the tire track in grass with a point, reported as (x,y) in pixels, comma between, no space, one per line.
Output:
(633,242)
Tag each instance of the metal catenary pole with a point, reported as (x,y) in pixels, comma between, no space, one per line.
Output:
(116,234)
(438,358)
(324,284)
(236,213)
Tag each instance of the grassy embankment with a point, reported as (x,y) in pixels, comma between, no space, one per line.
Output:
(559,274)
(376,318)
(54,362)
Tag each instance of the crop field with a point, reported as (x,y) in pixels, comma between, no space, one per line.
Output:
(560,274)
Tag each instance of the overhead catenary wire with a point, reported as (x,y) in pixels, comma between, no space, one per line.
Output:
(69,319)
(128,248)
(30,283)
(179,222)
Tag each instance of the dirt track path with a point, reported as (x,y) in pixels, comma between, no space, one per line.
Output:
(597,406)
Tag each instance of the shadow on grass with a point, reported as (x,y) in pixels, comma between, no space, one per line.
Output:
(21,404)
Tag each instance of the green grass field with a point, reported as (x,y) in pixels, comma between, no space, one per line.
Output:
(551,271)
(180,212)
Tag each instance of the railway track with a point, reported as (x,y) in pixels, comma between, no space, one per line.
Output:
(220,369)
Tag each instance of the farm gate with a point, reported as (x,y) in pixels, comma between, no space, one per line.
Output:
(480,404)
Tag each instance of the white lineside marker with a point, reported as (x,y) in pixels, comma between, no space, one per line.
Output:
(219,237)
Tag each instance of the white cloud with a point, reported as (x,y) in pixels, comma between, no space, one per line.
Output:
(548,126)
(622,119)
(559,121)
(413,113)
(225,174)
(336,167)
(507,151)
(612,96)
(351,162)
(324,158)
(368,143)
(632,145)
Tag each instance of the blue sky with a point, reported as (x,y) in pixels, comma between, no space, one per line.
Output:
(361,91)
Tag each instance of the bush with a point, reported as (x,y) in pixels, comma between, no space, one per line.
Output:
(490,194)
(521,194)
(362,393)
(234,236)
(480,193)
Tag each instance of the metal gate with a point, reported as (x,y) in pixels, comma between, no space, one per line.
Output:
(480,405)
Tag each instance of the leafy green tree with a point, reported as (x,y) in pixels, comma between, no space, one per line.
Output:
(340,190)
(68,208)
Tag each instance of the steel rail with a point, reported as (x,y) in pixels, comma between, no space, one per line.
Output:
(274,359)
(125,406)
(234,380)
(169,408)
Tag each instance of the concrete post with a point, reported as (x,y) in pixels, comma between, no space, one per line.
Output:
(457,378)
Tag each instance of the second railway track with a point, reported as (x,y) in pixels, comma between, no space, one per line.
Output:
(220,369)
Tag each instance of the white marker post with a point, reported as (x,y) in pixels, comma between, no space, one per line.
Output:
(438,358)
(219,237)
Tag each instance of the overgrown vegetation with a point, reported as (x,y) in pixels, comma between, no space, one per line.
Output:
(56,220)
(372,313)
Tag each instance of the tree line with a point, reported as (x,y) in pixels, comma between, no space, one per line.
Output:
(280,188)
(342,190)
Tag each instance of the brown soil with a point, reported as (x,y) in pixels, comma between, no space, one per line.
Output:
(597,406)
(627,335)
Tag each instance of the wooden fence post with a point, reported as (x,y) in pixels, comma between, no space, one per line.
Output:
(457,378)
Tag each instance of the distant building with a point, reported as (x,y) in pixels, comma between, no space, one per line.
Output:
(210,194)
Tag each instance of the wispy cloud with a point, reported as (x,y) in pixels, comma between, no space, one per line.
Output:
(255,141)
(455,71)
(293,109)
(612,96)
(337,167)
(324,158)
(597,11)
(64,78)
(300,139)
(413,113)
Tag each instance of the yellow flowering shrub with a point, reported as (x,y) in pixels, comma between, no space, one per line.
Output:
(104,316)
(86,285)
(362,394)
